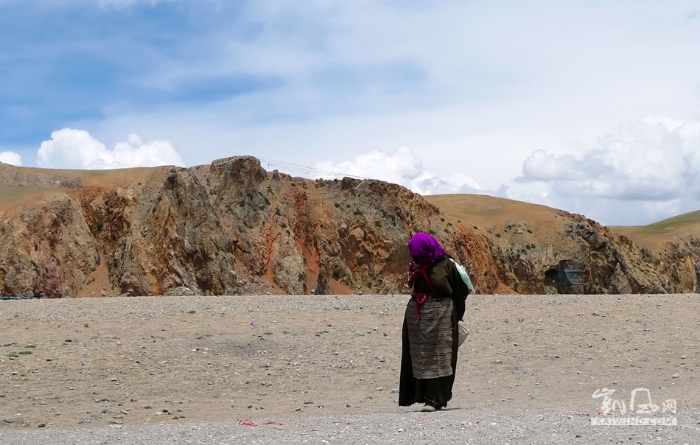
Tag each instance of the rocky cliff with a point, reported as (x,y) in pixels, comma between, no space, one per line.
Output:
(233,228)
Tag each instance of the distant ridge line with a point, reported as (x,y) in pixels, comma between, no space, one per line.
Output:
(311,171)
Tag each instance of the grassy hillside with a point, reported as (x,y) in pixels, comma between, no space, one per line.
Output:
(672,229)
(487,211)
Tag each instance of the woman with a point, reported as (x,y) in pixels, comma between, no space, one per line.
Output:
(429,338)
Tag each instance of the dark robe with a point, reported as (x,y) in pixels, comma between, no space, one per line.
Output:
(446,280)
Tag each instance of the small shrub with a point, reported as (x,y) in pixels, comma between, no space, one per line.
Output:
(498,235)
(241,203)
(191,312)
(301,277)
(442,219)
(337,205)
(100,225)
(529,231)
(336,274)
(277,212)
(283,225)
(357,212)
(24,352)
(377,224)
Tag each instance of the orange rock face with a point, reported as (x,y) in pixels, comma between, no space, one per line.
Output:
(234,228)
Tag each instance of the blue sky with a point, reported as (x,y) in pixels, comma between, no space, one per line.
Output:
(592,107)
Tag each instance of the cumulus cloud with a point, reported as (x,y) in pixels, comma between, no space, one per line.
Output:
(651,166)
(402,167)
(10,157)
(76,149)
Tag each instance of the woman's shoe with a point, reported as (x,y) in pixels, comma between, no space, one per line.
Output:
(428,408)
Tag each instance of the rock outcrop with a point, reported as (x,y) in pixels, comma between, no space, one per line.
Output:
(233,228)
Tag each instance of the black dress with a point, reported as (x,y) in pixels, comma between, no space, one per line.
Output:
(428,374)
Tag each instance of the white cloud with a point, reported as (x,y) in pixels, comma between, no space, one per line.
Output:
(10,157)
(402,167)
(76,149)
(643,172)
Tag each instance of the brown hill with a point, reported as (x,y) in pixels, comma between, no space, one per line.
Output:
(672,230)
(227,228)
(530,241)
(233,228)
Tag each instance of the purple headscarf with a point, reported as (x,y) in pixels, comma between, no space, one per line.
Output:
(424,249)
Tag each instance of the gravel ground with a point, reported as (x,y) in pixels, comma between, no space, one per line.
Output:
(450,426)
(324,369)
